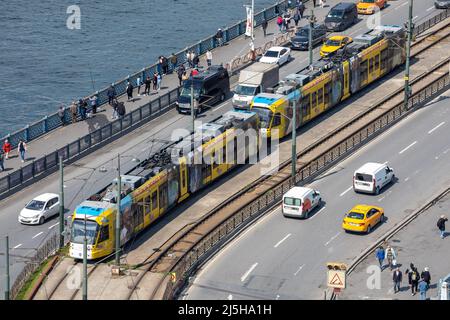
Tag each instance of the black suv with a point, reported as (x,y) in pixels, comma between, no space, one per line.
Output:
(341,16)
(301,39)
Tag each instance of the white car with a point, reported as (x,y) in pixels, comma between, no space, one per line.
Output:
(39,209)
(279,55)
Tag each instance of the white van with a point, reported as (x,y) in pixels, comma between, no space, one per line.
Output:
(372,177)
(299,202)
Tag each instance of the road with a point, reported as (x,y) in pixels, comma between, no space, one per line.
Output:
(83,178)
(283,258)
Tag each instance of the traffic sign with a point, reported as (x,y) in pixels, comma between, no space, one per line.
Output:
(336,279)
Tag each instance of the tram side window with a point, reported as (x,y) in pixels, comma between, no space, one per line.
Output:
(163,196)
(320,96)
(154,200)
(215,158)
(306,107)
(384,58)
(147,205)
(206,168)
(377,62)
(371,60)
(327,93)
(313,100)
(224,155)
(183,178)
(276,120)
(104,234)
(363,70)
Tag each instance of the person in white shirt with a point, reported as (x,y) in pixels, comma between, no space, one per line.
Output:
(209,57)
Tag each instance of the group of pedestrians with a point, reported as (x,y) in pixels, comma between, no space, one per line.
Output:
(84,108)
(6,150)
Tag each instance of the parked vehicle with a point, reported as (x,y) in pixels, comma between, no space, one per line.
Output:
(40,209)
(210,86)
(362,218)
(442,4)
(370,6)
(300,201)
(372,177)
(301,39)
(333,44)
(279,55)
(341,16)
(252,81)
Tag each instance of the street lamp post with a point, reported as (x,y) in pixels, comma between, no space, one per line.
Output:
(85,283)
(310,46)
(294,139)
(408,53)
(7,284)
(192,104)
(61,203)
(119,191)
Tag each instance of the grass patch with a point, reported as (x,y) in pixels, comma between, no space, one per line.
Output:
(23,293)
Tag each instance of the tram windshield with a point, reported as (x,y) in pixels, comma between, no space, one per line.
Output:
(265,115)
(78,231)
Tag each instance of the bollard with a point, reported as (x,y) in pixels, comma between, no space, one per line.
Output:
(45,124)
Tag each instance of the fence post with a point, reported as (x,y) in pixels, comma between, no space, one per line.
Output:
(45,124)
(27,133)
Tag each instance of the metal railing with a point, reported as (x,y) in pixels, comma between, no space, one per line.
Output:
(52,121)
(49,248)
(273,196)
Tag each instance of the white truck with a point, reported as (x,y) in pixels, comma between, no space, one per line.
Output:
(253,80)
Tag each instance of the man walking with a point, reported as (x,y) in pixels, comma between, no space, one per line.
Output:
(314,3)
(390,256)
(6,148)
(61,114)
(82,108)
(73,111)
(129,90)
(21,148)
(180,73)
(264,27)
(148,83)
(426,276)
(173,61)
(379,253)
(111,93)
(219,37)
(413,278)
(441,225)
(196,61)
(138,85)
(397,278)
(423,287)
(93,102)
(209,57)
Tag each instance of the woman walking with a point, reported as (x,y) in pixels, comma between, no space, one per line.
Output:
(21,148)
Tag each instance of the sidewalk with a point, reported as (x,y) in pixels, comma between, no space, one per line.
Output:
(71,132)
(418,243)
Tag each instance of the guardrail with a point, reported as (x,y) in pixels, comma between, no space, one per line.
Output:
(52,121)
(206,244)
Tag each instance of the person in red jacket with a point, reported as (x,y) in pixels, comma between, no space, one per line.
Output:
(6,148)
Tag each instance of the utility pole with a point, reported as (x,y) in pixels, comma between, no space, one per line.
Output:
(85,284)
(192,104)
(294,139)
(119,191)
(310,46)
(61,203)
(408,54)
(7,284)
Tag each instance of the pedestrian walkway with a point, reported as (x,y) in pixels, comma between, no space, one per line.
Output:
(418,243)
(62,136)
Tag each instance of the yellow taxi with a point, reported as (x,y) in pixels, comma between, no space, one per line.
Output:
(333,44)
(362,218)
(370,6)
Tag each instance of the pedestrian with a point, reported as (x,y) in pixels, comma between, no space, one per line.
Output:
(173,61)
(314,3)
(321,3)
(189,58)
(185,76)
(423,287)
(301,9)
(219,37)
(441,225)
(194,72)
(397,279)
(129,89)
(390,256)
(115,114)
(82,106)
(196,61)
(74,111)
(180,73)
(379,253)
(6,148)
(138,85)
(148,83)
(165,65)
(413,278)
(121,109)
(296,19)
(155,80)
(93,102)
(264,27)
(61,113)
(21,149)
(159,65)
(158,82)
(252,51)
(209,57)
(111,93)
(2,159)
(426,276)
(280,23)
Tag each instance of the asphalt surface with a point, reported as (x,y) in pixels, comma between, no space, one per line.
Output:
(83,178)
(283,258)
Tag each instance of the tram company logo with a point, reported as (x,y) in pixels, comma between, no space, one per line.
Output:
(74,20)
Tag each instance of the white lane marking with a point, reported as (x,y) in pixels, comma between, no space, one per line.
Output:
(64,186)
(299,269)
(436,158)
(346,190)
(38,235)
(19,245)
(439,125)
(408,147)
(406,179)
(53,226)
(248,272)
(281,241)
(415,17)
(317,213)
(329,241)
(430,8)
(278,297)
(386,163)
(381,199)
(230,297)
(445,152)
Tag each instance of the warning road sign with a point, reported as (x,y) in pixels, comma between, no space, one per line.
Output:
(336,279)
